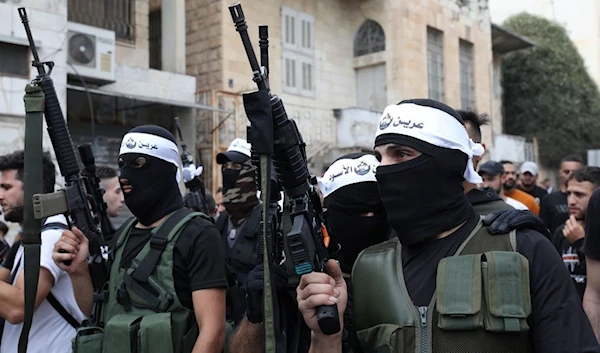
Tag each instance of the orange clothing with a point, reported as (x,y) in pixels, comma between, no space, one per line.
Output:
(524,198)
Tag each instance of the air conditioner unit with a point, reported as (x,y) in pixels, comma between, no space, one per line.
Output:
(91,53)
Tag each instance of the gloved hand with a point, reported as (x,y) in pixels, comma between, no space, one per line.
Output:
(254,286)
(502,222)
(190,172)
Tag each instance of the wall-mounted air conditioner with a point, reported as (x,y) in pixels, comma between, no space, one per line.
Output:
(91,53)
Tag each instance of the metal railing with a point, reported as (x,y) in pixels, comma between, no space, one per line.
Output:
(114,15)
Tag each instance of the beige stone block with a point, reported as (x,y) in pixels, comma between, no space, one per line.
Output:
(142,7)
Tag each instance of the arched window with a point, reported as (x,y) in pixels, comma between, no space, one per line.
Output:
(369,38)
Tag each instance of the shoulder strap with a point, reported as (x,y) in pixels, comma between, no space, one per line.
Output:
(480,241)
(13,272)
(160,236)
(62,311)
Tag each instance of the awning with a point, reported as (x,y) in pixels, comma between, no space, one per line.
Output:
(147,99)
(505,41)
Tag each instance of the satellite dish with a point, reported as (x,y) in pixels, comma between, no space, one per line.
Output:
(82,48)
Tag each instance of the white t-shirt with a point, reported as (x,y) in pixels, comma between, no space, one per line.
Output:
(50,332)
(518,205)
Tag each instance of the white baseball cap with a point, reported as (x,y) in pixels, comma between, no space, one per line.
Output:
(529,167)
(237,152)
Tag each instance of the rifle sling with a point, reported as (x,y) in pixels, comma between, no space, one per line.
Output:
(34,108)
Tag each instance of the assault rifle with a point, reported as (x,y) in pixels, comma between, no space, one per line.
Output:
(191,180)
(79,200)
(305,243)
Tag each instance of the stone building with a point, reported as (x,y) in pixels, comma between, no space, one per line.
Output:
(103,74)
(337,64)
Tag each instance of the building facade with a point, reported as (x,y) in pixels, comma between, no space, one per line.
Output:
(102,73)
(337,64)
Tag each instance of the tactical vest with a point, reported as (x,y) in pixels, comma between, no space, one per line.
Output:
(241,258)
(143,313)
(481,303)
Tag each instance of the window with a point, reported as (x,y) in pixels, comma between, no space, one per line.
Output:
(370,38)
(155,38)
(15,60)
(435,64)
(467,76)
(298,52)
(114,15)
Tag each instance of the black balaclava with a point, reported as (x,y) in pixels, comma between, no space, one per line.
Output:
(423,197)
(347,225)
(154,187)
(346,222)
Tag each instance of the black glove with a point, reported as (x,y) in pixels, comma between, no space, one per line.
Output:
(502,222)
(254,286)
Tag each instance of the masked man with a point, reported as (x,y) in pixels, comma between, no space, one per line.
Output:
(355,220)
(167,274)
(239,224)
(437,283)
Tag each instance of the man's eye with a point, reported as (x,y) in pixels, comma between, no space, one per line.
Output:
(139,162)
(401,154)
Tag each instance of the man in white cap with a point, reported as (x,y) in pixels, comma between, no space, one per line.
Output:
(239,224)
(436,287)
(528,177)
(167,269)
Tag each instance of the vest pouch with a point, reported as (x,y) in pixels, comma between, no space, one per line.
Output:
(506,291)
(88,340)
(150,295)
(175,332)
(386,338)
(121,334)
(459,292)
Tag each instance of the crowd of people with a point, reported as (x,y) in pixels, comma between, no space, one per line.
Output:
(435,250)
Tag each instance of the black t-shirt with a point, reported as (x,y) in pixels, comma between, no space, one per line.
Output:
(591,246)
(558,322)
(198,258)
(537,192)
(554,210)
(573,258)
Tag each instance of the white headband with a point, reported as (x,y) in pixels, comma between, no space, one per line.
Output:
(348,171)
(152,145)
(433,126)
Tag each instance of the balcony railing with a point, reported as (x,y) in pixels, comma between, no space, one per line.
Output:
(114,15)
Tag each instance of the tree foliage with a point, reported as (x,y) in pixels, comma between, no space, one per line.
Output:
(548,92)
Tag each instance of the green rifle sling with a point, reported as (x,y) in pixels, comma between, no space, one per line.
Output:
(32,183)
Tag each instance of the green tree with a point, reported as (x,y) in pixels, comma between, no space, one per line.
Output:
(548,92)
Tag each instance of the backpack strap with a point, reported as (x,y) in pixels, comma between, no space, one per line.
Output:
(62,311)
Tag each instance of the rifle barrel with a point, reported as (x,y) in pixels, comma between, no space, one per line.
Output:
(36,58)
